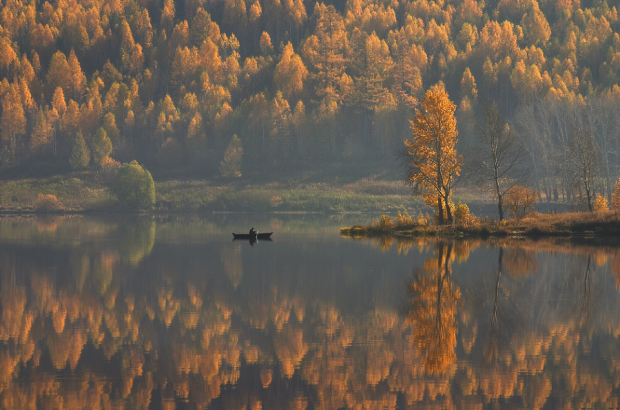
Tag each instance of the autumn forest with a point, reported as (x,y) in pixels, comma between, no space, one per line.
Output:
(170,83)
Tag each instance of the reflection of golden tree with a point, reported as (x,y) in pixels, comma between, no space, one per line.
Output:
(433,309)
(384,242)
(536,392)
(520,262)
(615,270)
(291,349)
(231,259)
(275,224)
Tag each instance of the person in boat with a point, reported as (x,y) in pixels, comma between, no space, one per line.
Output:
(253,232)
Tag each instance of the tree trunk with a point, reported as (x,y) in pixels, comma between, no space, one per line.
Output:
(440,210)
(449,213)
(500,206)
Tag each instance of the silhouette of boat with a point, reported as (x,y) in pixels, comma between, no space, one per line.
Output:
(266,235)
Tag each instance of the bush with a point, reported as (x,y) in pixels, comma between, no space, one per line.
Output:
(134,186)
(404,219)
(385,223)
(520,200)
(47,203)
(108,170)
(275,201)
(600,204)
(462,214)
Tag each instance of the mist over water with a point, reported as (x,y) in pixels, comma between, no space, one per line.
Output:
(170,312)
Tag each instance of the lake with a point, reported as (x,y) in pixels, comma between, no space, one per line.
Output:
(169,312)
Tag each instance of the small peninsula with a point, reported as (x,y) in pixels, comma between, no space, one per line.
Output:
(600,223)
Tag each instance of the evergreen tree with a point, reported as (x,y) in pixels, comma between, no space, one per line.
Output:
(80,156)
(102,147)
(231,164)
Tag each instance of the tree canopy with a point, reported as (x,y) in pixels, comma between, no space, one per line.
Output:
(144,71)
(134,186)
(434,164)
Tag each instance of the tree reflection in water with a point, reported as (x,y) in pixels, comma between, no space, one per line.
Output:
(433,308)
(140,323)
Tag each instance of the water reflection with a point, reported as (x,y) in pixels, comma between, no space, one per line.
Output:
(433,308)
(150,314)
(252,240)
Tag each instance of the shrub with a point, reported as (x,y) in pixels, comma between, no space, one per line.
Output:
(47,203)
(275,201)
(520,200)
(422,220)
(600,204)
(404,219)
(462,214)
(385,223)
(134,186)
(108,169)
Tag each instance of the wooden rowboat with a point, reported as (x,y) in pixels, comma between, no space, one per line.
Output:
(266,235)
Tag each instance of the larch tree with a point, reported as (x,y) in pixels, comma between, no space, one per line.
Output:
(7,54)
(13,120)
(231,164)
(280,125)
(80,155)
(433,163)
(290,72)
(59,74)
(42,133)
(102,147)
(78,79)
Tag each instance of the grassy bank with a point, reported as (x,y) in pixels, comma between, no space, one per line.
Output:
(83,193)
(534,225)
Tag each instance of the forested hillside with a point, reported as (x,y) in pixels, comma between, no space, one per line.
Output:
(170,82)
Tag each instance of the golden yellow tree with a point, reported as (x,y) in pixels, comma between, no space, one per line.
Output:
(290,72)
(434,164)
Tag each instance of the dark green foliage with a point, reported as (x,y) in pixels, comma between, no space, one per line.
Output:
(102,147)
(134,186)
(80,156)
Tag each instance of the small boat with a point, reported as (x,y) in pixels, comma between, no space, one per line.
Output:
(266,235)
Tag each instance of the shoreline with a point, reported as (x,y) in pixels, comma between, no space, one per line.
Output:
(569,224)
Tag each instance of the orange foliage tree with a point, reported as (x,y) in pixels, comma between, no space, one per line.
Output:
(434,164)
(521,200)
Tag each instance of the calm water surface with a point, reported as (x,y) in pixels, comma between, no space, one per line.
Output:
(172,313)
